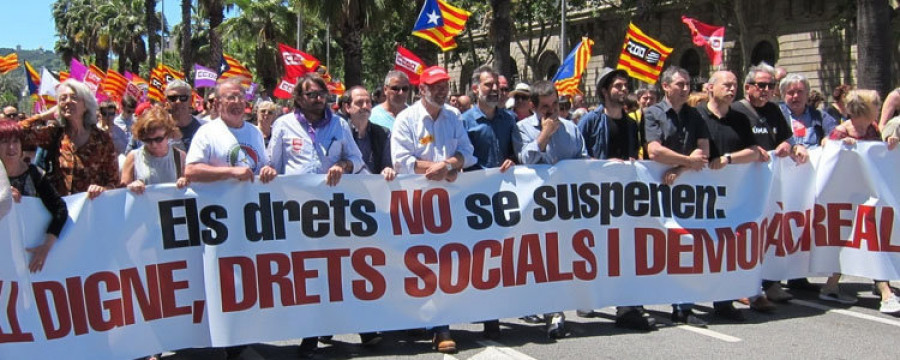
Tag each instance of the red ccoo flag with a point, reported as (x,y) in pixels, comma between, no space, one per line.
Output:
(711,38)
(410,64)
(285,88)
(296,63)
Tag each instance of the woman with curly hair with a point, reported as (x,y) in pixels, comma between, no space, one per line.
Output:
(157,162)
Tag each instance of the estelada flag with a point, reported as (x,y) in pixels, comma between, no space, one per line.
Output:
(440,22)
(568,77)
(230,68)
(285,88)
(409,63)
(32,79)
(710,38)
(114,84)
(296,63)
(642,56)
(8,63)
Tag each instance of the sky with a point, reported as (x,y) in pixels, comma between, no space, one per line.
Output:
(30,23)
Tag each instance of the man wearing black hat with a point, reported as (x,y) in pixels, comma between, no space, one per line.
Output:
(610,133)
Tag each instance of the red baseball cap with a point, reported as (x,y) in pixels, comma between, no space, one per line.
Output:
(141,108)
(434,75)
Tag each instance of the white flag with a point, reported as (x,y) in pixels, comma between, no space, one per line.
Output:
(48,84)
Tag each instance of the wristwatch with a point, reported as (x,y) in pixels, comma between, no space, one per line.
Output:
(728,157)
(449,167)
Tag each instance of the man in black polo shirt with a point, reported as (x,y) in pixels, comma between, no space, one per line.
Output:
(677,136)
(769,127)
(731,141)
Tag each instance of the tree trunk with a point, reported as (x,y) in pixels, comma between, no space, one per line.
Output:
(216,17)
(152,29)
(873,39)
(187,58)
(501,36)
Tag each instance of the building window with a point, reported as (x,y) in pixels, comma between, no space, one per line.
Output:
(763,51)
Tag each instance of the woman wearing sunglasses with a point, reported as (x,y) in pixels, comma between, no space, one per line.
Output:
(157,162)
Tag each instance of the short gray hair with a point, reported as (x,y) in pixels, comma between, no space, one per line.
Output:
(395,74)
(763,67)
(84,94)
(792,79)
(178,84)
(647,89)
(669,74)
(237,81)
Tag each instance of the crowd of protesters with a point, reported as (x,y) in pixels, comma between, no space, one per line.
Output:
(80,146)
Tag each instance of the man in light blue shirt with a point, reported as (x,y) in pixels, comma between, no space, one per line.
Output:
(311,139)
(396,91)
(809,126)
(545,137)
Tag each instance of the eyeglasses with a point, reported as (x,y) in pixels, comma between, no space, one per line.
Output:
(155,140)
(182,98)
(108,112)
(521,97)
(399,88)
(763,85)
(316,94)
(231,98)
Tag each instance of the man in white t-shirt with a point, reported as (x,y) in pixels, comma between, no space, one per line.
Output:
(228,147)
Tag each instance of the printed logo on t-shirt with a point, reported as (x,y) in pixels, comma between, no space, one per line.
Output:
(296,144)
(799,128)
(243,155)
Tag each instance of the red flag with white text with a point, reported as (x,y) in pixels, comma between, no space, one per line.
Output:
(409,63)
(711,38)
(296,62)
(285,88)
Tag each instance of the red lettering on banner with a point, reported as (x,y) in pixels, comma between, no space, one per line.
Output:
(676,247)
(367,270)
(586,269)
(428,278)
(12,317)
(268,278)
(872,225)
(657,244)
(835,223)
(447,272)
(79,306)
(866,228)
(887,228)
(553,270)
(421,216)
(657,251)
(479,258)
(531,260)
(227,267)
(820,229)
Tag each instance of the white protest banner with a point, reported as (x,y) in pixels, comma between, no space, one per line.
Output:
(231,263)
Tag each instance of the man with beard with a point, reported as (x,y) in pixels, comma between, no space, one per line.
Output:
(731,141)
(312,139)
(396,89)
(546,138)
(429,138)
(610,133)
(228,147)
(178,102)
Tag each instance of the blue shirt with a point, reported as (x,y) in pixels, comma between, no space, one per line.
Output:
(565,143)
(382,117)
(492,139)
(810,127)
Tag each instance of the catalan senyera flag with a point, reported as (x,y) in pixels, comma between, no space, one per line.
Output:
(9,63)
(568,77)
(170,73)
(156,85)
(63,75)
(230,68)
(114,84)
(32,79)
(642,56)
(440,22)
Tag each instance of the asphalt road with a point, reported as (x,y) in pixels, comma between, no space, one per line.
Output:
(806,328)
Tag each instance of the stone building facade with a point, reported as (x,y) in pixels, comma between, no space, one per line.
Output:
(802,36)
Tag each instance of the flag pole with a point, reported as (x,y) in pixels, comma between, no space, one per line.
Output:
(562,32)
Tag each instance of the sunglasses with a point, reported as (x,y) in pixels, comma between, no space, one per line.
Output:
(399,88)
(763,86)
(182,98)
(316,94)
(155,140)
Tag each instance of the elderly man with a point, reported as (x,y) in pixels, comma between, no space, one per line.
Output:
(178,102)
(228,147)
(546,138)
(769,126)
(677,136)
(429,138)
(463,103)
(809,125)
(397,90)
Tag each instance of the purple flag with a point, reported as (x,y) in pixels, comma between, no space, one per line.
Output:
(204,76)
(77,70)
(251,91)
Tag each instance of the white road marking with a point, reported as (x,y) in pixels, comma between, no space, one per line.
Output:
(496,350)
(449,357)
(857,315)
(710,333)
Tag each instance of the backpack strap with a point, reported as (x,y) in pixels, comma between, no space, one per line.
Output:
(178,170)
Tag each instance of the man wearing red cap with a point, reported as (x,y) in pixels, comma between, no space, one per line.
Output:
(429,138)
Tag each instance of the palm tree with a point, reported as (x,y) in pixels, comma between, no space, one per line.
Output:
(874,45)
(262,24)
(186,51)
(199,37)
(125,29)
(152,28)
(215,12)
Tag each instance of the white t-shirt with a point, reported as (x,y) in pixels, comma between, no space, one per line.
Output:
(217,144)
